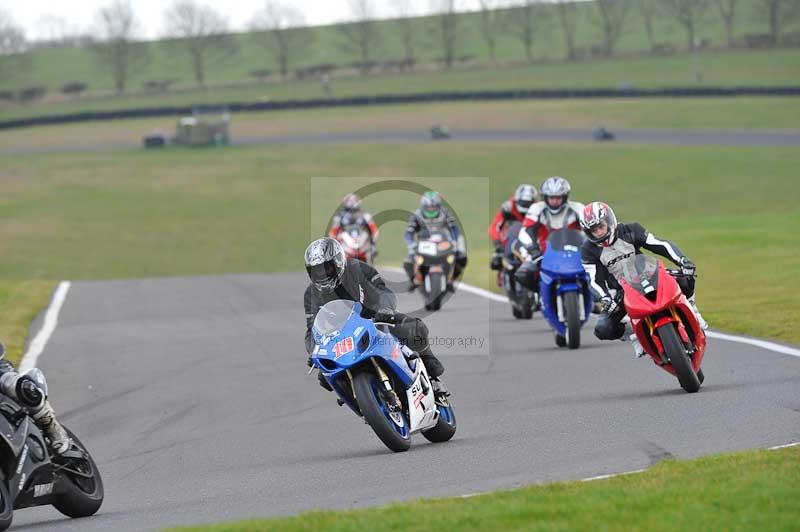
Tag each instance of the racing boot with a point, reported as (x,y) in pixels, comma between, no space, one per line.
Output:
(432,364)
(700,320)
(46,420)
(638,350)
(637,346)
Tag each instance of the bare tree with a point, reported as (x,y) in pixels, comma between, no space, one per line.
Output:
(611,16)
(12,47)
(524,22)
(492,24)
(727,10)
(280,29)
(648,10)
(567,12)
(408,30)
(202,32)
(688,13)
(778,13)
(362,34)
(447,26)
(115,48)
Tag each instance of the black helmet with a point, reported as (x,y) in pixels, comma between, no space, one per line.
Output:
(325,262)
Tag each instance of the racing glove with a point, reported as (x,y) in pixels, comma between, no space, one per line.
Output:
(687,266)
(607,304)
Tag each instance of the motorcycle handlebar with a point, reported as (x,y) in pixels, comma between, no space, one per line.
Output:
(680,273)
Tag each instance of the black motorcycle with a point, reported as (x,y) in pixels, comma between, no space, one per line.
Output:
(31,476)
(434,263)
(524,302)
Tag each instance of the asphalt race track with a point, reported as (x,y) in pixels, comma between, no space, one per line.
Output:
(687,137)
(193,396)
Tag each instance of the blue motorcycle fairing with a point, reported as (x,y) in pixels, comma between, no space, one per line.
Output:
(561,271)
(567,287)
(356,342)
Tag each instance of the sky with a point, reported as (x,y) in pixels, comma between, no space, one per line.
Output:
(78,15)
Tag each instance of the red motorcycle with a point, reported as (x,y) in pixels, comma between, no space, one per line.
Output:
(357,243)
(663,319)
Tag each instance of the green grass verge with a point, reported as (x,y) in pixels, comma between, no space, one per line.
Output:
(20,303)
(757,68)
(754,490)
(183,212)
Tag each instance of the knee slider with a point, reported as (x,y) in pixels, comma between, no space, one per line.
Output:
(29,393)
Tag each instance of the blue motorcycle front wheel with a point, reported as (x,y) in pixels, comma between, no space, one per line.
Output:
(390,425)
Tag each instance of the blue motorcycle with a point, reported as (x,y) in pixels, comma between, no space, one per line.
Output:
(564,287)
(381,380)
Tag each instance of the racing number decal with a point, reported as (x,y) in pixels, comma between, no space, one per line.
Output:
(343,347)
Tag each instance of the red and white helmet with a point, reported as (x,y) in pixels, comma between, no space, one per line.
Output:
(524,197)
(596,217)
(351,202)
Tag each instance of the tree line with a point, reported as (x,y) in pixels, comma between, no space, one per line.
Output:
(201,34)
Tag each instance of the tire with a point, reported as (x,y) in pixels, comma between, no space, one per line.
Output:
(700,376)
(676,352)
(561,341)
(6,505)
(434,301)
(525,305)
(77,500)
(572,312)
(445,427)
(515,311)
(367,388)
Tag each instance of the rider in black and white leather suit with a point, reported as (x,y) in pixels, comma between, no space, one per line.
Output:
(608,245)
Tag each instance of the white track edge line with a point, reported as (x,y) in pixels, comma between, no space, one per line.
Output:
(612,475)
(785,446)
(39,342)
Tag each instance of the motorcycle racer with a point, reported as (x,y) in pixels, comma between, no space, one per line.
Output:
(610,243)
(30,391)
(512,210)
(351,214)
(334,277)
(555,211)
(433,214)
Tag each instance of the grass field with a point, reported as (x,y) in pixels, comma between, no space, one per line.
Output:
(775,67)
(145,214)
(691,113)
(756,490)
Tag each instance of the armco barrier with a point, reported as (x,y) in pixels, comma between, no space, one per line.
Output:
(518,94)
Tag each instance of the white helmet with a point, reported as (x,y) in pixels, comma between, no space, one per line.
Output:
(555,187)
(524,197)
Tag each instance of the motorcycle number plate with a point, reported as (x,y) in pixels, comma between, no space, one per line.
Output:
(427,248)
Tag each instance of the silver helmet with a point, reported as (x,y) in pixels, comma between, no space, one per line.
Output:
(555,187)
(325,263)
(524,197)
